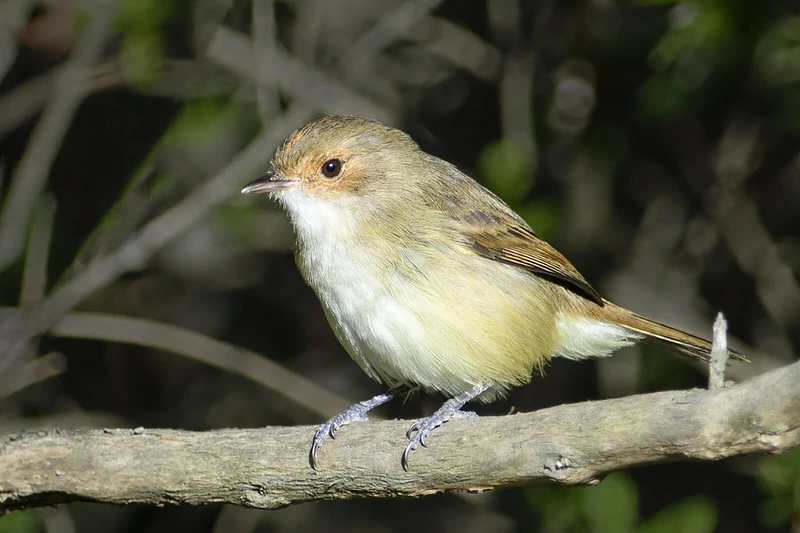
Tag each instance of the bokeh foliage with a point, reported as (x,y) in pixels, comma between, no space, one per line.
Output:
(623,132)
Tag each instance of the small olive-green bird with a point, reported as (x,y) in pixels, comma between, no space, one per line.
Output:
(431,281)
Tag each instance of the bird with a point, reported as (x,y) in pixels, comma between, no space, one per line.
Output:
(429,280)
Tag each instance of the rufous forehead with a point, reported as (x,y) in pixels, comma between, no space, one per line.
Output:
(289,143)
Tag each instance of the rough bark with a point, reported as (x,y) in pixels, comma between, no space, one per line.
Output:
(268,468)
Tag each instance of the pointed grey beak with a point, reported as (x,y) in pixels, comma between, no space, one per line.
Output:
(269,182)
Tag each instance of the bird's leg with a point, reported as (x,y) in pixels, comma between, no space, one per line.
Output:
(355,413)
(451,409)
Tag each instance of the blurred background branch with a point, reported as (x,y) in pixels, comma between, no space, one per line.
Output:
(206,350)
(68,89)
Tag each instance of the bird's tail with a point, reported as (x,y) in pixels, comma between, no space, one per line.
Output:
(666,336)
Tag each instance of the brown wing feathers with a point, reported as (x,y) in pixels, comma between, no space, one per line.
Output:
(521,247)
(503,236)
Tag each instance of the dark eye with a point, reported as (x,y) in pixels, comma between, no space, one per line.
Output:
(331,168)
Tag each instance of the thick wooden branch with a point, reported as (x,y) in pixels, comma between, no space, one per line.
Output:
(268,468)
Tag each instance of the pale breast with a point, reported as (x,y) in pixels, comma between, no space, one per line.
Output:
(353,285)
(439,317)
(371,326)
(417,325)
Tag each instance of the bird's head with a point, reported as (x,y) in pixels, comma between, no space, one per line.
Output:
(339,157)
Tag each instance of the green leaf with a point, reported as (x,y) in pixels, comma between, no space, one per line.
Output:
(542,215)
(206,120)
(507,170)
(660,97)
(613,505)
(777,55)
(141,56)
(775,513)
(26,521)
(695,515)
(779,477)
(558,507)
(699,38)
(144,14)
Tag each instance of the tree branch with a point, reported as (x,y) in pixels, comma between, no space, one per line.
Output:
(140,246)
(68,90)
(268,468)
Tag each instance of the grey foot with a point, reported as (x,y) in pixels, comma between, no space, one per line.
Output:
(420,429)
(355,413)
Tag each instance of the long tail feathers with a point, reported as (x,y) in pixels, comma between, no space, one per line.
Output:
(666,336)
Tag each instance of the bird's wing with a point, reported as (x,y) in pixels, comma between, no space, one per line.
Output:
(495,231)
(520,246)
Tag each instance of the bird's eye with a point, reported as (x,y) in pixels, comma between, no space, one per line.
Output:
(331,168)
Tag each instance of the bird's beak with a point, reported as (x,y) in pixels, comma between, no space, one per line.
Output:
(269,182)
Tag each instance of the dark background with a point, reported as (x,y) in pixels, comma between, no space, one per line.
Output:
(655,143)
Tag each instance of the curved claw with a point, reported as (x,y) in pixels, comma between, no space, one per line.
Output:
(354,413)
(419,430)
(312,455)
(328,429)
(422,427)
(404,459)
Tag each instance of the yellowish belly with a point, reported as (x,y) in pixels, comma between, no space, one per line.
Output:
(416,323)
